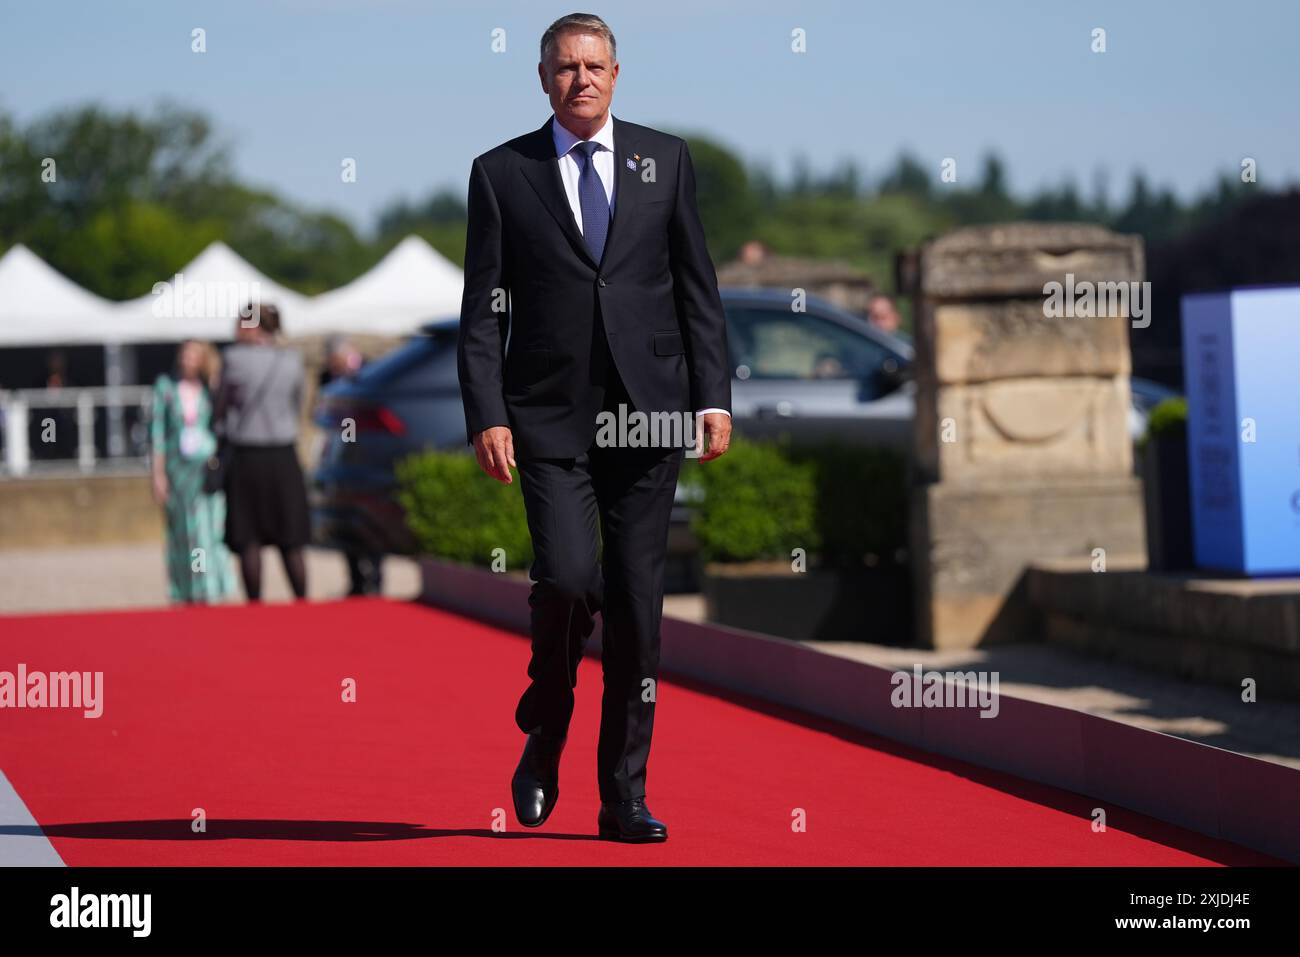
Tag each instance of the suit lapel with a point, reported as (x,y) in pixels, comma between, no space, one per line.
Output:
(626,194)
(542,170)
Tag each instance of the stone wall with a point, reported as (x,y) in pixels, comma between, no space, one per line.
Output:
(55,511)
(1223,631)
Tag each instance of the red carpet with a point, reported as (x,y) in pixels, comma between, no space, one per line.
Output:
(238,711)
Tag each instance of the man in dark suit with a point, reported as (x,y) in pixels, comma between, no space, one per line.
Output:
(589,294)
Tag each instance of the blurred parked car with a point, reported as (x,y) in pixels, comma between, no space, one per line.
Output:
(814,374)
(403,402)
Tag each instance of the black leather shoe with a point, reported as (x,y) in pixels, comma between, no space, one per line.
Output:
(630,821)
(536,784)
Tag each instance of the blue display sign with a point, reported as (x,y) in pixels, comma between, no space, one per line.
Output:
(1241,364)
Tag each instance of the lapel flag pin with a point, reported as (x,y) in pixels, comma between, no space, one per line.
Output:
(631,165)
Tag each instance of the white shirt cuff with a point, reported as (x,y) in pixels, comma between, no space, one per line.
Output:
(723,411)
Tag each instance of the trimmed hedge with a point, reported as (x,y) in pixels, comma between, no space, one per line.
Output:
(861,496)
(457,512)
(844,503)
(756,503)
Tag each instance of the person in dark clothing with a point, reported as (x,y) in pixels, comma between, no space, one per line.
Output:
(258,409)
(365,567)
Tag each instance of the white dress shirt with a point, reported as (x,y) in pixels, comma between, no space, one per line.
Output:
(570,172)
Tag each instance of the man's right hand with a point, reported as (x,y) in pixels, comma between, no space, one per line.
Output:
(495,449)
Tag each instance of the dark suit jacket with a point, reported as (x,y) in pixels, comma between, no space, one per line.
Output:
(655,290)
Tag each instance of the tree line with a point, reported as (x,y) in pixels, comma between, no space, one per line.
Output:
(133,197)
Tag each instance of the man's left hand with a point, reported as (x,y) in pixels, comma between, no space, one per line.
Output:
(714,430)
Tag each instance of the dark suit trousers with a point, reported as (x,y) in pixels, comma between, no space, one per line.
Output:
(630,490)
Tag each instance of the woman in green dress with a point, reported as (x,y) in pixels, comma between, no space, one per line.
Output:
(198,563)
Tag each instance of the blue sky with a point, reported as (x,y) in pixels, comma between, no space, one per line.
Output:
(413,91)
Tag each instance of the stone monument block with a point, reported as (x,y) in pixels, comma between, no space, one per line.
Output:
(1022,441)
(983,341)
(1033,428)
(1017,259)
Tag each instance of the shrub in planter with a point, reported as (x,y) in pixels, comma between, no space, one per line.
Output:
(1167,418)
(1166,487)
(861,502)
(844,505)
(754,504)
(457,512)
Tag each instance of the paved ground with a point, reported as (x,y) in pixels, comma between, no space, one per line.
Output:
(132,576)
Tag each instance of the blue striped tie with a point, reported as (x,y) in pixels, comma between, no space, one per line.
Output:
(592,199)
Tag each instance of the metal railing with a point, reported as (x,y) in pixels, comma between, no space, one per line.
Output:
(75,430)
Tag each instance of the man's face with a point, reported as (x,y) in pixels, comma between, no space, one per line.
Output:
(579,76)
(884,315)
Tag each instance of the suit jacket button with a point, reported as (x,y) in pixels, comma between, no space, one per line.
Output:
(600,280)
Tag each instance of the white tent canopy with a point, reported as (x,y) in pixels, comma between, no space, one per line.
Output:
(40,306)
(203,300)
(411,285)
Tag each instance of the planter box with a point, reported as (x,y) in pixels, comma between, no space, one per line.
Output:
(500,599)
(821,604)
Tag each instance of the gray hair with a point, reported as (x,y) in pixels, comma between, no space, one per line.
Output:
(587,22)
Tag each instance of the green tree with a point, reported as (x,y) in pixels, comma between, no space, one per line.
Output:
(440,220)
(728,209)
